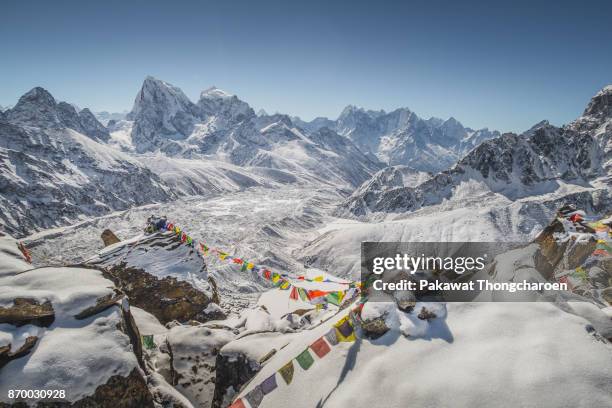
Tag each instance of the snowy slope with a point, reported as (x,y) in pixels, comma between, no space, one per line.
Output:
(489,347)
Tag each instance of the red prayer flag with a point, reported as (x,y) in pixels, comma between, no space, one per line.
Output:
(320,347)
(238,404)
(316,293)
(575,218)
(238,261)
(294,294)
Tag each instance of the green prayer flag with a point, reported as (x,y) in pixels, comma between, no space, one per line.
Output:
(333,298)
(303,294)
(305,359)
(147,341)
(244,267)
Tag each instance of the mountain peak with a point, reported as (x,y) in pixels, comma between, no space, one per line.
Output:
(37,107)
(601,104)
(217,102)
(214,92)
(38,95)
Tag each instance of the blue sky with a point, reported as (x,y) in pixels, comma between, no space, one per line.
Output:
(505,65)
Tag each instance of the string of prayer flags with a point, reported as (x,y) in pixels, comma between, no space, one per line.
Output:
(269,384)
(305,359)
(255,396)
(147,341)
(282,281)
(320,347)
(286,372)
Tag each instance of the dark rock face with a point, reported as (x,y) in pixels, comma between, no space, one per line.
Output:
(28,311)
(7,354)
(118,392)
(601,104)
(374,328)
(35,108)
(91,127)
(167,299)
(233,371)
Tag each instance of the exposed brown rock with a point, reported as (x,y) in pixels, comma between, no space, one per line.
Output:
(102,304)
(426,314)
(374,328)
(6,355)
(167,299)
(28,311)
(109,237)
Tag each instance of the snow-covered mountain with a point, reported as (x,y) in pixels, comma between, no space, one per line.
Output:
(55,167)
(60,165)
(401,137)
(543,160)
(222,127)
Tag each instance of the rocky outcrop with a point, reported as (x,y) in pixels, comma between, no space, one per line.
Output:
(167,298)
(7,354)
(109,237)
(374,328)
(70,321)
(232,372)
(28,311)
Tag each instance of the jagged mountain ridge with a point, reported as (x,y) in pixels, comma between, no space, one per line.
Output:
(515,166)
(222,127)
(401,137)
(60,165)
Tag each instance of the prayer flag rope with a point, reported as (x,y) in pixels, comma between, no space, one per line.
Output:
(342,331)
(282,281)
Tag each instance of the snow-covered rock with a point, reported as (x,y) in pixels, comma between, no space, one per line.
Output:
(90,348)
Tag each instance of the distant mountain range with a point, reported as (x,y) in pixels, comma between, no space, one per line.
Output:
(61,164)
(545,159)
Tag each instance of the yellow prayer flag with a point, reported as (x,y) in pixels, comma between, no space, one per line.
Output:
(344,330)
(250,266)
(318,279)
